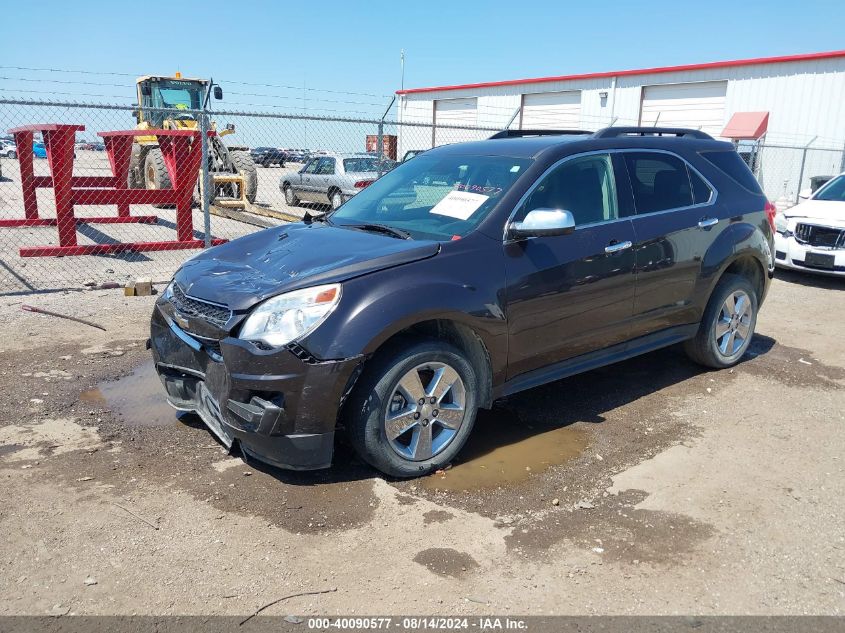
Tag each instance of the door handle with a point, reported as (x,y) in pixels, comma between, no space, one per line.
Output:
(618,246)
(707,223)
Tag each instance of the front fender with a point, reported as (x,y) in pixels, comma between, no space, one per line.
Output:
(375,307)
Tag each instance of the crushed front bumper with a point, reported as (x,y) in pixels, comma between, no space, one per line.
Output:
(281,405)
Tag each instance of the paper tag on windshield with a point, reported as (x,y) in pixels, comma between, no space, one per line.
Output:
(459,204)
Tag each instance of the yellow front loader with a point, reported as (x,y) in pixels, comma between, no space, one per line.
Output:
(233,175)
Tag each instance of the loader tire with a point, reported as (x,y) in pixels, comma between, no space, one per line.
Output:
(155,171)
(243,163)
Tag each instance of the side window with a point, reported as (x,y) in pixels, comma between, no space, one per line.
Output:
(583,186)
(310,167)
(701,192)
(325,167)
(659,181)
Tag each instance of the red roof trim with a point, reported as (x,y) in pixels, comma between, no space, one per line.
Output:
(641,71)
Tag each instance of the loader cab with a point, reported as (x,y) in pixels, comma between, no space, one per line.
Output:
(170,93)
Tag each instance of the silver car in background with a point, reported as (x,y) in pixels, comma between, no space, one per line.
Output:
(330,178)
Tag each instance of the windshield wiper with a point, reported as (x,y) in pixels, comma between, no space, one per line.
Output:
(381,228)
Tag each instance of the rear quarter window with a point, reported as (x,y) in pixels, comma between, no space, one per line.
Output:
(731,164)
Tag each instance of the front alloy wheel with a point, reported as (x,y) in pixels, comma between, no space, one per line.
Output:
(413,407)
(426,411)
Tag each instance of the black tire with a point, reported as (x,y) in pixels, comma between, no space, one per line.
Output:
(242,162)
(335,199)
(705,348)
(13,154)
(291,199)
(135,179)
(155,171)
(156,175)
(365,412)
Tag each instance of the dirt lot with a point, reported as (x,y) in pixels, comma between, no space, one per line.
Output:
(648,487)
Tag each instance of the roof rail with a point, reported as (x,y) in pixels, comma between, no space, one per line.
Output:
(614,132)
(524,133)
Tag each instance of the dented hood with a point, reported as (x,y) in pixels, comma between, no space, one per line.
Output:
(245,271)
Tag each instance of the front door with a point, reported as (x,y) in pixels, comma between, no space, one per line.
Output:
(570,294)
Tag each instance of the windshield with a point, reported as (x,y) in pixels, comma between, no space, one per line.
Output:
(184,95)
(360,164)
(832,191)
(433,197)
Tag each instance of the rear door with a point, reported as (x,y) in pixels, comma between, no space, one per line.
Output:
(306,180)
(570,294)
(323,175)
(674,223)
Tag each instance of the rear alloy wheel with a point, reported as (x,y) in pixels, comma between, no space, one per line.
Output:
(413,408)
(727,326)
(337,199)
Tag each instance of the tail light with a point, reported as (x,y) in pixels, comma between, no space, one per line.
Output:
(770,210)
(363,183)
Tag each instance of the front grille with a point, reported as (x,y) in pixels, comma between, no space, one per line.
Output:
(823,236)
(196,308)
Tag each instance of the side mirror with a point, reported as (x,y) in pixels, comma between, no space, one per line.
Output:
(218,92)
(805,194)
(146,90)
(230,127)
(544,222)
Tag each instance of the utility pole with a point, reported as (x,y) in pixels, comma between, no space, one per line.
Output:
(402,65)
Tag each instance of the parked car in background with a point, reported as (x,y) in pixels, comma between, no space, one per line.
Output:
(8,149)
(811,235)
(330,178)
(471,273)
(297,155)
(268,156)
(38,150)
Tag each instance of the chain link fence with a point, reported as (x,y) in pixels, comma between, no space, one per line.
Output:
(97,203)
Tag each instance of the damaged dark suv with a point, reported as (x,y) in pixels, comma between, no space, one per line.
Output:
(472,272)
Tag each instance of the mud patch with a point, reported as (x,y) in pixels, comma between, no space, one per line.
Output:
(617,530)
(791,366)
(503,451)
(137,398)
(445,561)
(436,516)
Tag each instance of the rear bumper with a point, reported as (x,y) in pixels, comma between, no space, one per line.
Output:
(279,406)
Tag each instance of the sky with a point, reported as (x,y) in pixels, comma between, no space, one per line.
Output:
(341,57)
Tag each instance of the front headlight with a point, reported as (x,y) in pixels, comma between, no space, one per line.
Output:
(781,223)
(290,316)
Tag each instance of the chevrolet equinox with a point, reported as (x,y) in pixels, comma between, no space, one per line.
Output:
(472,272)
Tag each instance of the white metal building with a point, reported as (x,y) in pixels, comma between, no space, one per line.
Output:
(803,94)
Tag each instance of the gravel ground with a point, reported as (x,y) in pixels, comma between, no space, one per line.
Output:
(650,487)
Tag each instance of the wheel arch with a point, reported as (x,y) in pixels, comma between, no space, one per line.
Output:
(459,334)
(741,249)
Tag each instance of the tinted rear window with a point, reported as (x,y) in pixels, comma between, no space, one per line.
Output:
(659,181)
(700,191)
(732,164)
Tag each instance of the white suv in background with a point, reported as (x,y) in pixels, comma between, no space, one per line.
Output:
(811,235)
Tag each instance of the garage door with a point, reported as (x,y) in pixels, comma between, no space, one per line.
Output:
(551,110)
(698,105)
(460,112)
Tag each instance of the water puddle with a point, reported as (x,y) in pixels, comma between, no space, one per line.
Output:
(502,450)
(138,398)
